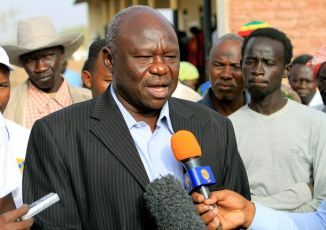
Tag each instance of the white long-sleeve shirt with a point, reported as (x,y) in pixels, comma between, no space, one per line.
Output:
(9,174)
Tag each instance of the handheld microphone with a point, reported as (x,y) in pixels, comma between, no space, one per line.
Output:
(170,205)
(187,150)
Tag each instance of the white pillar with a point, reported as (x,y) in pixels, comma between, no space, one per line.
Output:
(222,17)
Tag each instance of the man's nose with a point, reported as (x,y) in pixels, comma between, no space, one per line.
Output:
(158,67)
(40,65)
(258,69)
(226,72)
(303,84)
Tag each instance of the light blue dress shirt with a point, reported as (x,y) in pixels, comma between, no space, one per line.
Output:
(269,219)
(154,148)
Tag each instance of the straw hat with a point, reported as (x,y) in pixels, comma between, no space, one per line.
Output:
(39,33)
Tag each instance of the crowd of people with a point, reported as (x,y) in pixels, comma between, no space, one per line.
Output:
(99,145)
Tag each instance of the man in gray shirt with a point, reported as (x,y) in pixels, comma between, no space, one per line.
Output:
(281,142)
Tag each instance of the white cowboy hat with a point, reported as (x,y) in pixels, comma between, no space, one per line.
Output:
(4,59)
(39,33)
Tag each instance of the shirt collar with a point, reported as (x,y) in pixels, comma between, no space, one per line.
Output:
(164,117)
(207,100)
(61,94)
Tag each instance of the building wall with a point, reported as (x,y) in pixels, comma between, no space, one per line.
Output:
(194,16)
(100,12)
(302,20)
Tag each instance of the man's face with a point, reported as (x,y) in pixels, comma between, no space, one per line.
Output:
(263,66)
(302,81)
(145,66)
(101,77)
(224,70)
(44,68)
(4,87)
(321,82)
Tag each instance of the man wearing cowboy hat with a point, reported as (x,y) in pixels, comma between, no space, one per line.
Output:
(40,50)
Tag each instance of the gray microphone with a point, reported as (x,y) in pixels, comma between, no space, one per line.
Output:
(170,205)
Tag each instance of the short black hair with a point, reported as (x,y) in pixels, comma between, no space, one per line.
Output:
(93,53)
(302,59)
(86,66)
(274,34)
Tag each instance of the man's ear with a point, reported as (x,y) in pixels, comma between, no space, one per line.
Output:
(108,58)
(87,79)
(287,70)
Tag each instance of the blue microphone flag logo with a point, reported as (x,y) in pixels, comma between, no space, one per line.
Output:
(198,176)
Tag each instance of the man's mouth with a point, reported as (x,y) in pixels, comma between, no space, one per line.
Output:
(302,92)
(225,86)
(257,82)
(159,91)
(45,78)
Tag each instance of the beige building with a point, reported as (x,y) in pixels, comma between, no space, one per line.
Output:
(302,20)
(190,12)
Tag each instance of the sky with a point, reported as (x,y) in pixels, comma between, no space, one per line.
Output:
(63,13)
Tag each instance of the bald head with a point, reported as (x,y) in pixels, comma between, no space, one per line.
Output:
(133,17)
(143,56)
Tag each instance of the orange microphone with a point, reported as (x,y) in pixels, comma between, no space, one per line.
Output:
(184,145)
(187,150)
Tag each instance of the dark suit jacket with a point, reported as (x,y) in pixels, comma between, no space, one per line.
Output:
(86,154)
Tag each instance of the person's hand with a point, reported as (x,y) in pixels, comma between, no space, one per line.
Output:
(11,220)
(232,210)
(207,214)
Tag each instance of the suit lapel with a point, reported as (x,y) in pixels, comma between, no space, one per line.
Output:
(181,117)
(113,132)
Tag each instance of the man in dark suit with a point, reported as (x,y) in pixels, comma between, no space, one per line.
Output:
(99,155)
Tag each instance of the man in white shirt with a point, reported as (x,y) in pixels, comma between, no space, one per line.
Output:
(9,182)
(17,134)
(10,178)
